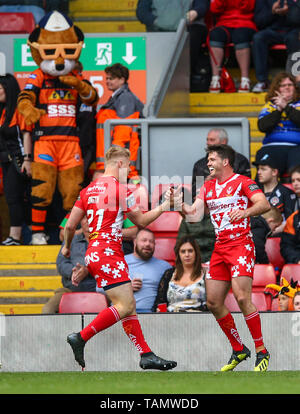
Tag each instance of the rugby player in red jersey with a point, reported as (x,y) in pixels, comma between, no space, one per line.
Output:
(231,199)
(104,202)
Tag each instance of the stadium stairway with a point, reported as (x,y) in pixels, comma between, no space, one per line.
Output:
(105,16)
(28,278)
(232,105)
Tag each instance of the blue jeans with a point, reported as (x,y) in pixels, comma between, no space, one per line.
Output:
(262,40)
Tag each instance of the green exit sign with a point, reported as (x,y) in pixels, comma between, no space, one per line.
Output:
(97,53)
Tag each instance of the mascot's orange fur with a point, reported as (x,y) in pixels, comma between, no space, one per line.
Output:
(49,105)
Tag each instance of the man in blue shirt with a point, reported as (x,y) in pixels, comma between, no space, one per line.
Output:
(145,271)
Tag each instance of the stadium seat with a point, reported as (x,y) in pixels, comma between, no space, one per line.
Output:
(82,302)
(258,299)
(231,303)
(273,252)
(291,271)
(166,225)
(16,23)
(141,195)
(275,305)
(164,249)
(160,189)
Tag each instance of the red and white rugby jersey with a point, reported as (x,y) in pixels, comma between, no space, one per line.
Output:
(105,201)
(221,198)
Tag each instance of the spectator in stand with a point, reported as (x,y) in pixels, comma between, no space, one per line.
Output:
(277,194)
(295,180)
(272,20)
(15,159)
(262,227)
(279,119)
(164,16)
(74,274)
(290,238)
(182,288)
(145,271)
(285,292)
(86,124)
(234,23)
(217,136)
(296,301)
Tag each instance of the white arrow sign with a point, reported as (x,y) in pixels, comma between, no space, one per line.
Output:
(129,58)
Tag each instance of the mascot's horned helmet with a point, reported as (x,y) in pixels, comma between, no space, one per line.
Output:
(56,44)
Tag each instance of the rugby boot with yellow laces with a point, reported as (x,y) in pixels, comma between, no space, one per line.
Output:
(236,358)
(262,361)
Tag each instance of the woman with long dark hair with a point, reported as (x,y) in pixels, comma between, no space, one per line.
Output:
(15,158)
(182,288)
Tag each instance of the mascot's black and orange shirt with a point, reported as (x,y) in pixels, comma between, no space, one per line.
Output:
(59,101)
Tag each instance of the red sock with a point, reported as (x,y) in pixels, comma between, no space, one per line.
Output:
(103,320)
(228,327)
(133,330)
(254,325)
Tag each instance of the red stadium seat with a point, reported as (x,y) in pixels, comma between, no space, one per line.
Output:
(159,189)
(275,305)
(231,303)
(164,249)
(273,252)
(82,302)
(166,225)
(263,275)
(16,23)
(291,271)
(258,298)
(141,195)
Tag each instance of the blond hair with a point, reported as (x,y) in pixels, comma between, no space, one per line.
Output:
(116,152)
(273,213)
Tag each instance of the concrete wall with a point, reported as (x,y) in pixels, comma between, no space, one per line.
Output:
(195,341)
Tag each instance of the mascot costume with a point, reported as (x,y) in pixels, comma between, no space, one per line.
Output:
(49,106)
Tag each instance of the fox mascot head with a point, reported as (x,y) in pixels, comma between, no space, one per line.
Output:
(55,45)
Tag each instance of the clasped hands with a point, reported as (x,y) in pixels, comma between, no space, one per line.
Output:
(79,272)
(174,198)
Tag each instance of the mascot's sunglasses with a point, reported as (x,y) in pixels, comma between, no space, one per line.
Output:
(66,50)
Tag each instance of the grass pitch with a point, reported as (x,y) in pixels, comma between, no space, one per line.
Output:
(281,382)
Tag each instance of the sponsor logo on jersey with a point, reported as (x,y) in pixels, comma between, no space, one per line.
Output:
(253,187)
(93,199)
(93,257)
(61,110)
(274,201)
(97,188)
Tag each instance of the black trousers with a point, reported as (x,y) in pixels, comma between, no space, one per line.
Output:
(17,194)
